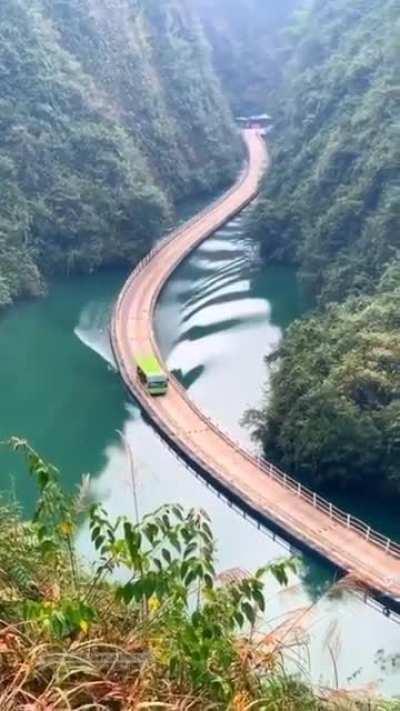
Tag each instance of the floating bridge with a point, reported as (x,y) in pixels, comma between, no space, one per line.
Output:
(260,489)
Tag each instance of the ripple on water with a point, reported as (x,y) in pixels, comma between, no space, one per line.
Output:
(81,412)
(92,329)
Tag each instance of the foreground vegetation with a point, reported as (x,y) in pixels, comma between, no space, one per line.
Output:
(147,624)
(332,206)
(109,114)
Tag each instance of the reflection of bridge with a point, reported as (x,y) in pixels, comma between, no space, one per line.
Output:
(268,494)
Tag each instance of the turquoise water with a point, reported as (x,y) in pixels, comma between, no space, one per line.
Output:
(55,392)
(220,313)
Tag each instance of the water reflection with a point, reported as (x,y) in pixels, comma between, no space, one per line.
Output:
(70,403)
(219,359)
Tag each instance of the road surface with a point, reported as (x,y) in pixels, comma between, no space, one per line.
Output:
(268,494)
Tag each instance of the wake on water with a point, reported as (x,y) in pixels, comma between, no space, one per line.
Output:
(92,330)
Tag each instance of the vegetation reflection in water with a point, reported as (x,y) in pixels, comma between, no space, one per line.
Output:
(82,405)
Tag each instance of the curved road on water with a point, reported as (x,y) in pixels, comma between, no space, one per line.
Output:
(268,494)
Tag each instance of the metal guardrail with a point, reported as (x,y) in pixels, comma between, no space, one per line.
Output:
(182,228)
(295,487)
(252,502)
(335,514)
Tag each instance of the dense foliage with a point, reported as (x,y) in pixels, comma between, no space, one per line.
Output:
(334,410)
(148,620)
(109,113)
(245,39)
(332,205)
(145,621)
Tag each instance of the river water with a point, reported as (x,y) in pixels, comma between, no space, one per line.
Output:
(219,314)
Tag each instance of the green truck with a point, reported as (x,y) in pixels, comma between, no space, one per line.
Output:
(151,375)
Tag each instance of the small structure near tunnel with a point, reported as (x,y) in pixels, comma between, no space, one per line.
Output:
(261,121)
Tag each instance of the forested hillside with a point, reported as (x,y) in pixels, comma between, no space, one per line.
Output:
(109,113)
(245,38)
(333,413)
(332,206)
(332,203)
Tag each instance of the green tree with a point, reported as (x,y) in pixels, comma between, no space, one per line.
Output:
(107,120)
(333,412)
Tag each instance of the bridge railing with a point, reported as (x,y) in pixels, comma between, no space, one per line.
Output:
(334,513)
(337,515)
(311,497)
(247,496)
(197,218)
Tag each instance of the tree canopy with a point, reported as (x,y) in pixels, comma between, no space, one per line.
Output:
(108,115)
(332,206)
(333,411)
(332,203)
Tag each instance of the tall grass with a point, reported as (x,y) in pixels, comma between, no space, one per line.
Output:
(171,635)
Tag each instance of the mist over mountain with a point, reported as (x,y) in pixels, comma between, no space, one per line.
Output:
(248,48)
(331,206)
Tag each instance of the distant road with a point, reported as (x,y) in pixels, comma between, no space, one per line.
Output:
(268,494)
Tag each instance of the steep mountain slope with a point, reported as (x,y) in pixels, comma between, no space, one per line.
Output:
(109,113)
(245,38)
(333,201)
(332,205)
